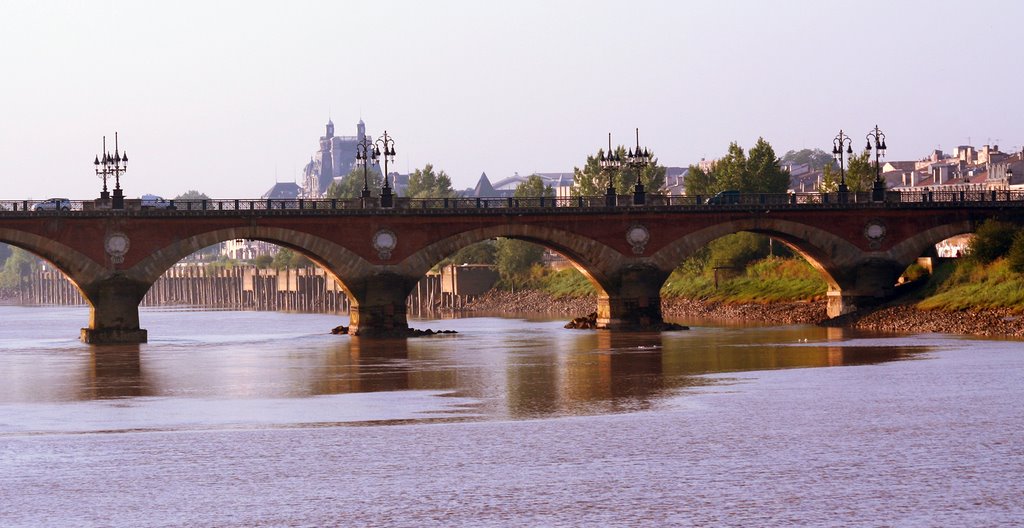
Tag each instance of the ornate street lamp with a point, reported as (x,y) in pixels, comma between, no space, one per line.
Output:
(840,155)
(878,190)
(365,155)
(388,144)
(112,165)
(610,163)
(638,160)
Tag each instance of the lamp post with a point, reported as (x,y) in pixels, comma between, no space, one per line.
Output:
(610,164)
(365,155)
(638,160)
(878,190)
(840,155)
(388,144)
(112,165)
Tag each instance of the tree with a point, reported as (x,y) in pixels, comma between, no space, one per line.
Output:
(479,253)
(425,183)
(514,258)
(992,240)
(192,195)
(829,180)
(263,261)
(760,172)
(286,258)
(699,183)
(815,159)
(534,187)
(1015,257)
(18,267)
(351,185)
(764,172)
(860,174)
(592,180)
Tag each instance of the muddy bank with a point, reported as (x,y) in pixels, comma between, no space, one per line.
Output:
(896,317)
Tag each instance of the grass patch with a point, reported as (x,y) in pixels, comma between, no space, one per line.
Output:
(566,283)
(972,286)
(768,280)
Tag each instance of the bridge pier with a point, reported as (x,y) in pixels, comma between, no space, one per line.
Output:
(379,307)
(865,285)
(634,302)
(114,312)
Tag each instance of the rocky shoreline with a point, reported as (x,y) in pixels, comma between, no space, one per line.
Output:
(895,317)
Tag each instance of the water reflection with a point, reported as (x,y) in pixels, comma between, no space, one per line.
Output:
(510,373)
(114,372)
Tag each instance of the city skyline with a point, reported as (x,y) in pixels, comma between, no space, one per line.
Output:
(229,98)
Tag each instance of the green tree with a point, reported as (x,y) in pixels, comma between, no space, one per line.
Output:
(764,172)
(263,261)
(815,159)
(860,172)
(760,172)
(829,180)
(192,195)
(479,253)
(426,183)
(351,185)
(592,180)
(992,240)
(514,258)
(534,187)
(1015,257)
(18,268)
(699,183)
(286,258)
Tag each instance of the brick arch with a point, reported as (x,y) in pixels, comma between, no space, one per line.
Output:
(595,260)
(826,252)
(341,263)
(78,268)
(907,251)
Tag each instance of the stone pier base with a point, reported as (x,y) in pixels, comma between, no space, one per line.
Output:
(113,336)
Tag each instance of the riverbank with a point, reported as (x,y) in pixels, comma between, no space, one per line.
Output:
(896,317)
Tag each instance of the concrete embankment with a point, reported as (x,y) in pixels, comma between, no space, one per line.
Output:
(897,318)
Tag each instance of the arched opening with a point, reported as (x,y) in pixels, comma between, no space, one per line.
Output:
(526,255)
(751,266)
(511,265)
(28,278)
(249,274)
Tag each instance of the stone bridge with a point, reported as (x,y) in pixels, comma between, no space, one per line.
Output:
(379,254)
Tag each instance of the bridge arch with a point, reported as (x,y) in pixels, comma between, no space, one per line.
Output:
(80,269)
(343,265)
(909,250)
(823,250)
(595,260)
(854,277)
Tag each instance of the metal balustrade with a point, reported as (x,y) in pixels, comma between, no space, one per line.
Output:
(751,201)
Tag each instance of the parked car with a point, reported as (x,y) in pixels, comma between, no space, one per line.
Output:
(152,201)
(53,204)
(724,198)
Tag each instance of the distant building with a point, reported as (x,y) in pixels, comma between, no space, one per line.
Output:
(283,191)
(334,160)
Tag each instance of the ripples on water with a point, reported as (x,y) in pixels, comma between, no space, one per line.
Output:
(245,419)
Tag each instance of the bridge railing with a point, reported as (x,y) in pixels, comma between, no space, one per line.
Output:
(893,198)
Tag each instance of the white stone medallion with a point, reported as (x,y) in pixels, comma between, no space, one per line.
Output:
(874,231)
(384,241)
(117,245)
(637,236)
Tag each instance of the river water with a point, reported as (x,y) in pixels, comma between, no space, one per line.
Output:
(263,419)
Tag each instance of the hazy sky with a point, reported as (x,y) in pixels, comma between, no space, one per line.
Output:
(226,97)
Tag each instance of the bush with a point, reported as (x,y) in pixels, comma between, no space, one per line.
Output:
(737,250)
(1016,255)
(992,240)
